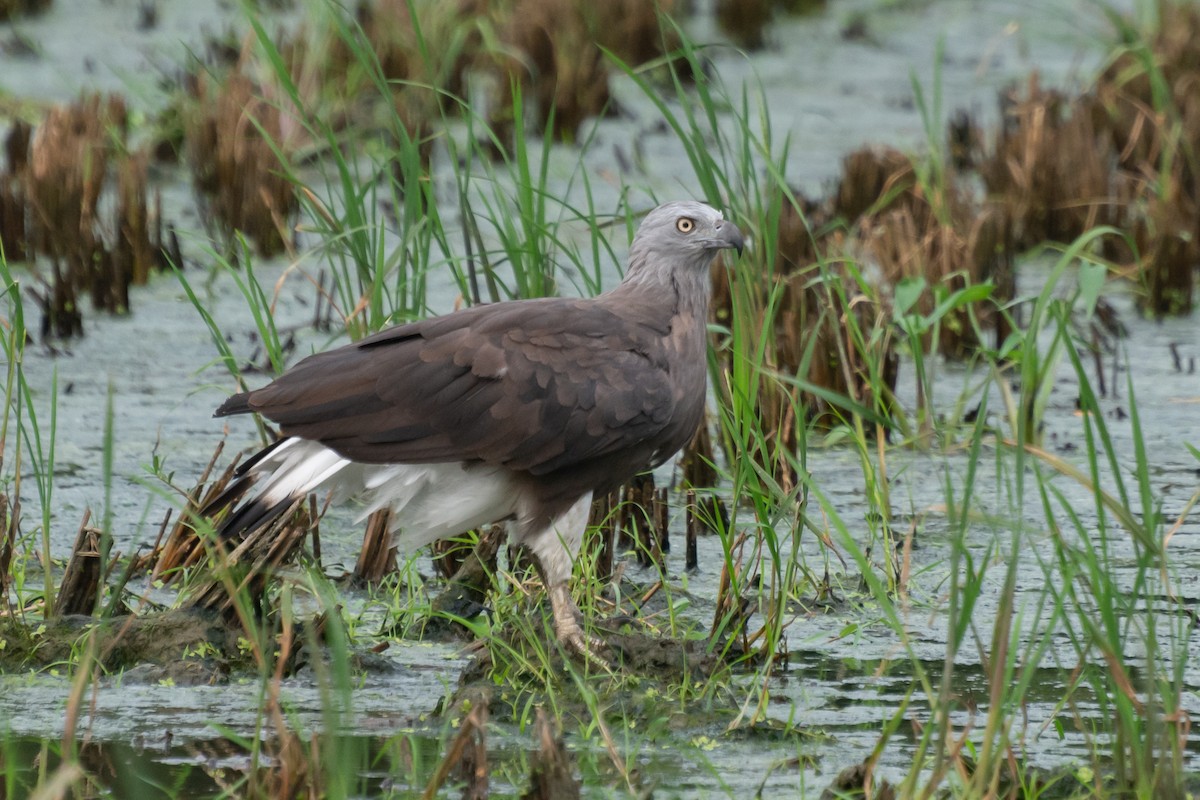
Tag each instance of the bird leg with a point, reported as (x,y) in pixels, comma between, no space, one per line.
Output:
(554,547)
(567,628)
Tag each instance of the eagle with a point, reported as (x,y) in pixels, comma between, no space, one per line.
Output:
(519,411)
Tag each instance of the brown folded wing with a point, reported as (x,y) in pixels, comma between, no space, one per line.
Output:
(538,386)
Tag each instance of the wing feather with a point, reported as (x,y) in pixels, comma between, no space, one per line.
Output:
(537,386)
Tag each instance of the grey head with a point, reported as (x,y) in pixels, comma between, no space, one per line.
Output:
(682,236)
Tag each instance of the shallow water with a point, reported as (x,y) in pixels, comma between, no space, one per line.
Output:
(847,672)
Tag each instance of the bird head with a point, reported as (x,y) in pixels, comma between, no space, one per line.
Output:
(683,233)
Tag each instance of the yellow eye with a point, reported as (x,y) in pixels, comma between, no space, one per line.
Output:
(685,225)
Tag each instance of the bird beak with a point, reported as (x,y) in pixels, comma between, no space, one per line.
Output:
(728,237)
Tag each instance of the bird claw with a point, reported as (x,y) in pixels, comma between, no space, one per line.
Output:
(586,648)
(569,632)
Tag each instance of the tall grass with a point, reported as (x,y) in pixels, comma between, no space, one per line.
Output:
(1089,594)
(35,439)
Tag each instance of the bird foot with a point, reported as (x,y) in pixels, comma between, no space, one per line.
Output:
(569,632)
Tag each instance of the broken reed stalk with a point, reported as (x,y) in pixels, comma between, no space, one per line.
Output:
(79,591)
(600,520)
(377,557)
(465,758)
(238,565)
(691,556)
(244,566)
(553,773)
(697,464)
(183,547)
(642,521)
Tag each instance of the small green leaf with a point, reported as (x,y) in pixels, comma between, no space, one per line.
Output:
(908,292)
(1092,277)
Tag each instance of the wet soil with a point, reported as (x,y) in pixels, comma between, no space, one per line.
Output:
(153,646)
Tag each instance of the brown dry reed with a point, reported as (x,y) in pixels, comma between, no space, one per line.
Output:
(1051,166)
(554,51)
(913,228)
(1126,153)
(551,51)
(73,194)
(835,264)
(13,205)
(236,150)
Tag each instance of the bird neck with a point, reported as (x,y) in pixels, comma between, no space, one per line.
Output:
(683,291)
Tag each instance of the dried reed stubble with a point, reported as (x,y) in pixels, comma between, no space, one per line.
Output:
(237,174)
(552,50)
(1052,166)
(9,518)
(138,246)
(549,48)
(247,565)
(13,202)
(631,29)
(697,464)
(431,43)
(79,591)
(377,556)
(745,22)
(933,231)
(53,197)
(425,51)
(69,155)
(869,176)
(1157,144)
(1166,238)
(183,547)
(1127,90)
(553,58)
(552,774)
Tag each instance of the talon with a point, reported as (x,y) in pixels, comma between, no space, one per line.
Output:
(586,648)
(569,632)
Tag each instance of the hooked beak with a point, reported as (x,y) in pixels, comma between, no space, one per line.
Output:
(728,237)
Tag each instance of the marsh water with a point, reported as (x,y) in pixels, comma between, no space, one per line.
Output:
(846,674)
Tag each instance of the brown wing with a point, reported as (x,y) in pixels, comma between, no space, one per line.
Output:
(537,385)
